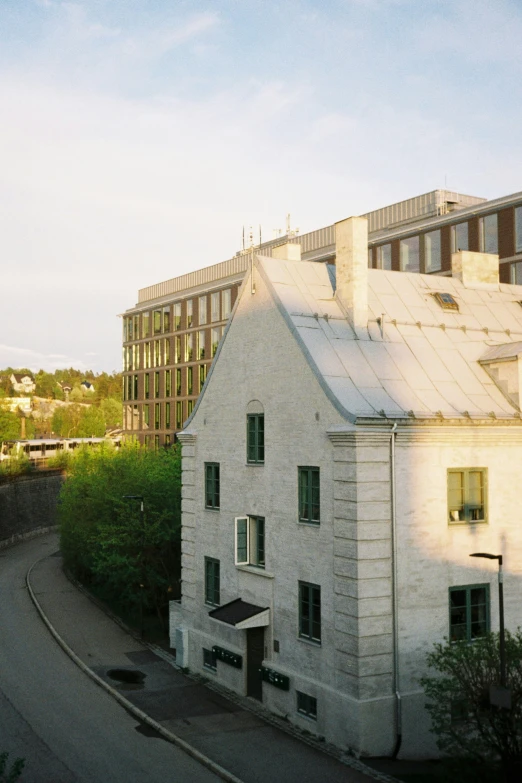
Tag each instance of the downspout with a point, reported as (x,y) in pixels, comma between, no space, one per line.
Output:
(395,600)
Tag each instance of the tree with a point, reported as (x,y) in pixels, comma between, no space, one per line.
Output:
(12,774)
(112,412)
(487,738)
(9,424)
(104,538)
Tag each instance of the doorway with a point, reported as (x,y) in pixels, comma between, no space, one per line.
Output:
(255,655)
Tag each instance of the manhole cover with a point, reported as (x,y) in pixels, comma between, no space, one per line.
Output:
(132,676)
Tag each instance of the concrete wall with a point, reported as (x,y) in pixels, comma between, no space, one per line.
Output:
(28,505)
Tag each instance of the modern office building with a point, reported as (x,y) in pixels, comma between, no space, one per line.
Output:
(171,335)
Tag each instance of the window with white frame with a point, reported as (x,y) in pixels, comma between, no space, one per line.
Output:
(467,495)
(250,541)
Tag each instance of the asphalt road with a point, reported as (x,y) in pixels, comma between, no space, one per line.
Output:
(66,727)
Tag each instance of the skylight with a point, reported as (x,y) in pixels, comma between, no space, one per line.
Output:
(446,301)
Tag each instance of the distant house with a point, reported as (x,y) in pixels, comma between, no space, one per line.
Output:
(87,386)
(66,389)
(24,384)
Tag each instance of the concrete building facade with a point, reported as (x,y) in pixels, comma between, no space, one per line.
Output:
(359,436)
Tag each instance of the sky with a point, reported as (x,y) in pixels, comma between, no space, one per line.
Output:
(139,137)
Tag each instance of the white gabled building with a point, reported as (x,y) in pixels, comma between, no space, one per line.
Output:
(356,440)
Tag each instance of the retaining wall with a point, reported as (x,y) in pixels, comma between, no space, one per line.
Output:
(28,505)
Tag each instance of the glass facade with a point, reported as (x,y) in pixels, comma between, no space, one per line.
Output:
(432,252)
(409,255)
(488,228)
(384,257)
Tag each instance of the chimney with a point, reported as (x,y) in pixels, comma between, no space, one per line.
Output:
(290,251)
(475,270)
(351,263)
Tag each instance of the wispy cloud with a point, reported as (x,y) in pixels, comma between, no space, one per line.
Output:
(15,356)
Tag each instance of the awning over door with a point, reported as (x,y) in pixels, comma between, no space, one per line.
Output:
(241,614)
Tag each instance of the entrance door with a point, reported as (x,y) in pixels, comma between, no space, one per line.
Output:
(255,655)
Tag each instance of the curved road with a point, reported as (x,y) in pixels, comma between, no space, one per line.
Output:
(66,727)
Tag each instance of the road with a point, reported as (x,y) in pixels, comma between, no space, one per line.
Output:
(66,727)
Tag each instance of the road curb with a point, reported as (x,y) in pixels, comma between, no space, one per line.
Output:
(137,713)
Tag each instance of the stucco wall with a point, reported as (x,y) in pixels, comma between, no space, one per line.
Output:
(28,505)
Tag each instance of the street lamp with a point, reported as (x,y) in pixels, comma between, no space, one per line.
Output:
(142,585)
(503,698)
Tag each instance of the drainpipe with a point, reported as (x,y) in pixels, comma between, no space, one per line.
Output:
(395,601)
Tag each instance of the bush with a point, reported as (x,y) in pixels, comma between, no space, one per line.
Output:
(486,738)
(10,775)
(106,541)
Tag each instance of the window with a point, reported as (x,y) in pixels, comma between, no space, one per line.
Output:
(200,347)
(189,313)
(446,301)
(518,229)
(306,705)
(157,416)
(136,356)
(190,380)
(211,484)
(157,353)
(189,346)
(209,660)
(459,237)
(211,581)
(467,495)
(310,612)
(190,407)
(156,321)
(146,417)
(309,508)
(226,301)
(145,324)
(166,351)
(146,356)
(177,350)
(469,612)
(432,257)
(384,258)
(214,306)
(156,442)
(488,234)
(156,384)
(147,385)
(215,336)
(168,383)
(202,309)
(410,255)
(166,319)
(179,415)
(516,273)
(177,315)
(250,541)
(202,375)
(167,416)
(178,382)
(256,438)
(135,389)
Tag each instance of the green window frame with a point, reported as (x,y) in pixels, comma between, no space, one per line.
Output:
(212,581)
(306,705)
(212,485)
(310,612)
(469,615)
(179,414)
(250,541)
(168,383)
(256,438)
(467,496)
(157,416)
(309,494)
(157,384)
(167,415)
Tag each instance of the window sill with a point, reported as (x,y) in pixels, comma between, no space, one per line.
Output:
(307,523)
(466,523)
(254,464)
(210,508)
(311,642)
(255,570)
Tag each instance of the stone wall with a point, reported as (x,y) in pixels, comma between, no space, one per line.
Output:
(28,505)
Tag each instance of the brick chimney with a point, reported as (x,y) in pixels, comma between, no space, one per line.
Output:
(475,270)
(290,251)
(351,262)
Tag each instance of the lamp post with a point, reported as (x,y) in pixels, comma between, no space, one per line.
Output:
(142,586)
(502,699)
